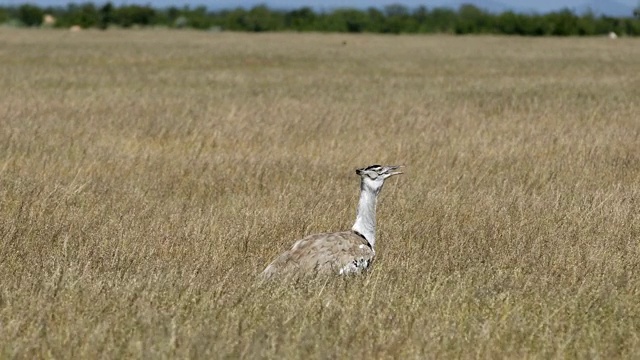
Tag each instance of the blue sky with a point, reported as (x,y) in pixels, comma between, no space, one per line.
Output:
(539,6)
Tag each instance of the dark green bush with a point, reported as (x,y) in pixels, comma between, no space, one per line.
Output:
(395,19)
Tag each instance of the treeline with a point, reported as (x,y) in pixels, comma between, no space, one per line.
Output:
(394,19)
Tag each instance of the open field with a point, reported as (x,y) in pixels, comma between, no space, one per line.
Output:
(147,177)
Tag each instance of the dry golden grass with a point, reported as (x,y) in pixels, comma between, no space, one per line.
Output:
(147,177)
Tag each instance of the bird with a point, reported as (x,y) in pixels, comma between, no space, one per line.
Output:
(345,252)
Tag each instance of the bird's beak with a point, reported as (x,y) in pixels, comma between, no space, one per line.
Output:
(395,167)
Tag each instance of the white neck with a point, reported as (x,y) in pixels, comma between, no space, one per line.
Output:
(366,215)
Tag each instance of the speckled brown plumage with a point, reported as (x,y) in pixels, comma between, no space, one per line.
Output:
(339,253)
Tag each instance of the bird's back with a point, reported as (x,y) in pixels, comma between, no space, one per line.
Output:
(341,253)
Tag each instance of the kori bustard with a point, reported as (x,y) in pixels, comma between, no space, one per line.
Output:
(346,252)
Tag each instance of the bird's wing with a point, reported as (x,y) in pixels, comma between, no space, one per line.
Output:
(341,252)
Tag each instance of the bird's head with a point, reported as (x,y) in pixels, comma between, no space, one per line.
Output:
(373,176)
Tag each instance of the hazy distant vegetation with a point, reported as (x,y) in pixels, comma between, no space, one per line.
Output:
(395,19)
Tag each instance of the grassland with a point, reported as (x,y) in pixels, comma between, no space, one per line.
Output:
(147,177)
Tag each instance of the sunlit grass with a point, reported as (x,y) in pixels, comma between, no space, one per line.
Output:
(147,177)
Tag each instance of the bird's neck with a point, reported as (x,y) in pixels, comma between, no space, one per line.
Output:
(366,215)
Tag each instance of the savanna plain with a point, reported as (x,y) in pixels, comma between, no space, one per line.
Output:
(148,176)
